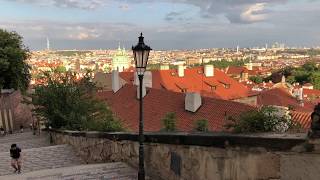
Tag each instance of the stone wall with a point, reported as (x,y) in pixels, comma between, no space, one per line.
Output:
(200,157)
(13,112)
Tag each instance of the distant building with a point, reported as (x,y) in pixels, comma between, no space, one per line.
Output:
(120,61)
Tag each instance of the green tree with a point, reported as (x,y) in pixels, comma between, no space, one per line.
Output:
(225,63)
(61,69)
(201,125)
(169,122)
(256,79)
(310,66)
(67,103)
(315,79)
(301,76)
(14,71)
(291,79)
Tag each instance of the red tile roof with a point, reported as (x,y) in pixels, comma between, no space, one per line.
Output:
(159,102)
(195,81)
(311,92)
(237,70)
(303,118)
(280,97)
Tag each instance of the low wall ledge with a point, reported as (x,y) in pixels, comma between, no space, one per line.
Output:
(280,142)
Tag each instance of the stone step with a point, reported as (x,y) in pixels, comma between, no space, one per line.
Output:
(34,142)
(41,158)
(107,171)
(18,137)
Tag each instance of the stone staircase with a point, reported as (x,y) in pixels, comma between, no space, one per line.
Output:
(40,160)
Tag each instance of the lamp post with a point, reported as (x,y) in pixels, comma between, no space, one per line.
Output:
(141,55)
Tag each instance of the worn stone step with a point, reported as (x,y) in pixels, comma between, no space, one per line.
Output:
(18,137)
(34,142)
(41,158)
(107,171)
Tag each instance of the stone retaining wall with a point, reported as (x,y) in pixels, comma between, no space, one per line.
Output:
(199,157)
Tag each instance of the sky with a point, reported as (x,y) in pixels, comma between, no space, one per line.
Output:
(166,24)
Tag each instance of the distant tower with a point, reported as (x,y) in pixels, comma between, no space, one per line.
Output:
(238,49)
(266,46)
(283,79)
(48,44)
(120,60)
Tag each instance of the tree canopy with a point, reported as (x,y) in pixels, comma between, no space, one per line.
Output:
(307,73)
(14,71)
(67,103)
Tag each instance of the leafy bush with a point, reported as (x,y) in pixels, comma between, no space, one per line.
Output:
(65,102)
(201,125)
(265,119)
(169,122)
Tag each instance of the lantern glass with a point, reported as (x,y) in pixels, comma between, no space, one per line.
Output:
(141,55)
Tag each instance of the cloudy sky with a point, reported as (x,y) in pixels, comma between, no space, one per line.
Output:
(166,24)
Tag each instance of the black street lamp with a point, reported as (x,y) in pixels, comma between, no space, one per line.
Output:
(141,55)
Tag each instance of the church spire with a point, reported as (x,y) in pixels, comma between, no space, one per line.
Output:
(119,47)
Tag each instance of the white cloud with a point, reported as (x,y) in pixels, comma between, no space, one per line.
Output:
(83,36)
(81,4)
(253,13)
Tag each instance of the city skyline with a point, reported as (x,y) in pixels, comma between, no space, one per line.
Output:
(167,24)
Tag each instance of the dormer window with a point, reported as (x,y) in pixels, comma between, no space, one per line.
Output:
(225,84)
(212,85)
(213,88)
(183,90)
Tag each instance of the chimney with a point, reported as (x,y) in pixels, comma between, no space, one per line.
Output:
(249,65)
(144,91)
(283,79)
(180,70)
(192,101)
(115,81)
(147,79)
(300,94)
(209,70)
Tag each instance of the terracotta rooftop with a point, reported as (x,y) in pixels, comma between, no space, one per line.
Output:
(237,70)
(159,102)
(303,118)
(281,97)
(219,86)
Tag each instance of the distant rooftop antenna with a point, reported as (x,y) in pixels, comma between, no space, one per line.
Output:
(48,44)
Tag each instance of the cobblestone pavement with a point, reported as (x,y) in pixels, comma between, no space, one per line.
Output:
(41,158)
(109,171)
(33,142)
(19,137)
(40,161)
